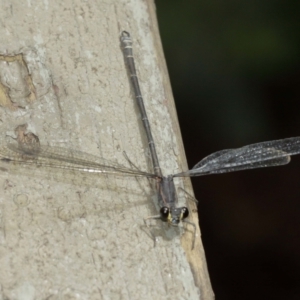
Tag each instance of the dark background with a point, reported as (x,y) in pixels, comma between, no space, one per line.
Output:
(235,73)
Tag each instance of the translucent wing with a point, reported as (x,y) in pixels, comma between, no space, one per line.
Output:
(62,158)
(265,154)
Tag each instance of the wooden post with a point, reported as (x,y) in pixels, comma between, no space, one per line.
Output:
(63,78)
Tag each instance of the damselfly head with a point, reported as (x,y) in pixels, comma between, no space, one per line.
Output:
(173,215)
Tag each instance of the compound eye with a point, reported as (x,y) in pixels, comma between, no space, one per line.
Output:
(164,213)
(185,212)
